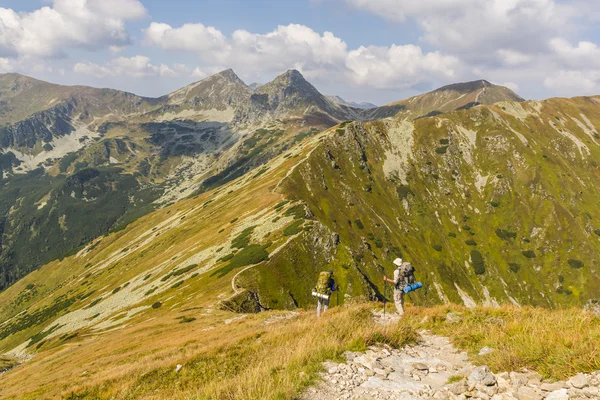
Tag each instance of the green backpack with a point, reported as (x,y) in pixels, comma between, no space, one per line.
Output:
(323,283)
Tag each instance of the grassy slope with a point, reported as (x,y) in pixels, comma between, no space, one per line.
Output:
(275,355)
(498,196)
(342,182)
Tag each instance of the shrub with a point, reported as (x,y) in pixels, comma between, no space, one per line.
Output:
(176,285)
(404,191)
(359,224)
(529,253)
(294,228)
(495,203)
(280,205)
(597,232)
(250,255)
(444,141)
(185,320)
(505,235)
(470,242)
(467,228)
(575,263)
(233,220)
(437,247)
(340,131)
(441,149)
(452,234)
(158,304)
(296,211)
(226,257)
(243,239)
(478,263)
(149,292)
(514,267)
(396,251)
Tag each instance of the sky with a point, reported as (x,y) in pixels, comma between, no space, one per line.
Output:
(362,50)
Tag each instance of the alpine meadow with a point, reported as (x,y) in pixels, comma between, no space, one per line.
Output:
(275,241)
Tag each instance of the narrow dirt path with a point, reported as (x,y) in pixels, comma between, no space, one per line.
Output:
(434,369)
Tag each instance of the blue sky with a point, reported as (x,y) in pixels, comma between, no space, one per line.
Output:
(362,50)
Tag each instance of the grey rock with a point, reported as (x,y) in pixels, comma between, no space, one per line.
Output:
(420,366)
(579,381)
(551,387)
(482,375)
(560,394)
(527,393)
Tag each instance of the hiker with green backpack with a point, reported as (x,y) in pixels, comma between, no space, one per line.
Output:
(325,286)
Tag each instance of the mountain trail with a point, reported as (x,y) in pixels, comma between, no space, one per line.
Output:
(434,369)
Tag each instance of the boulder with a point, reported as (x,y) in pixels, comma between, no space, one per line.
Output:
(551,387)
(482,375)
(527,393)
(579,381)
(560,394)
(420,366)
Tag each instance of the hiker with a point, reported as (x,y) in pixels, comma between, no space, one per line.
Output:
(404,275)
(325,286)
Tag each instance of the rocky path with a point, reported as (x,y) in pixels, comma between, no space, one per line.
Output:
(434,369)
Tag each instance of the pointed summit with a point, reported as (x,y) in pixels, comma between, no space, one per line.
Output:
(292,82)
(219,91)
(229,75)
(290,89)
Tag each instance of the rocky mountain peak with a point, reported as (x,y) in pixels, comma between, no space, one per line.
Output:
(291,81)
(228,75)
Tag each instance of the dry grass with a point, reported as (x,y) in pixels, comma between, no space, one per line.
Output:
(250,359)
(556,343)
(274,361)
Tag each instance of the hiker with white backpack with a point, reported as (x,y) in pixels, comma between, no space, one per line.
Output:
(404,277)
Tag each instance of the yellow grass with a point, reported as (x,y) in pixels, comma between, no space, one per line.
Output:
(245,359)
(556,343)
(269,356)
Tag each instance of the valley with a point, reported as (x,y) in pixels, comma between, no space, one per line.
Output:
(188,224)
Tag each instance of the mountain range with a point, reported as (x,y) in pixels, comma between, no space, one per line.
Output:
(119,211)
(66,149)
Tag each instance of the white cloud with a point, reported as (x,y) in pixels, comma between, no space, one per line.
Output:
(572,81)
(323,56)
(398,66)
(400,10)
(473,27)
(290,45)
(585,55)
(46,32)
(135,67)
(5,65)
(512,57)
(189,37)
